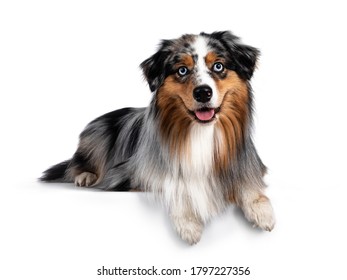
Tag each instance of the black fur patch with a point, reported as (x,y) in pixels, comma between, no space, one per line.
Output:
(241,58)
(56,172)
(112,123)
(153,67)
(124,186)
(82,162)
(134,136)
(159,66)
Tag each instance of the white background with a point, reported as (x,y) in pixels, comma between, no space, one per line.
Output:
(63,63)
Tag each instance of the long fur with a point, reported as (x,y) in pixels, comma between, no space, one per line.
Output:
(196,167)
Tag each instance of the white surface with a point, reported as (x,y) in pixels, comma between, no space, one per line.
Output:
(64,63)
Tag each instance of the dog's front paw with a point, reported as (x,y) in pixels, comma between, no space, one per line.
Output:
(189,229)
(260,213)
(85,179)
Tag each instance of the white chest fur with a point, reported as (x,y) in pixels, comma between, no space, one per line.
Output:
(190,188)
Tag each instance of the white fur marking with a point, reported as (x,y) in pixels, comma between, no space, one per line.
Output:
(190,188)
(260,213)
(190,229)
(203,76)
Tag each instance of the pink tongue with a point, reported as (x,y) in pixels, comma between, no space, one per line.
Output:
(205,115)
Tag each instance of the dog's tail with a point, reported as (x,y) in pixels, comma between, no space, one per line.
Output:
(56,173)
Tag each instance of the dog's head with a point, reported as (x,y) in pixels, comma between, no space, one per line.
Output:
(202,76)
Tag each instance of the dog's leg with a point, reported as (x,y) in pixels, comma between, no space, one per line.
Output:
(187,225)
(256,206)
(84,170)
(87,166)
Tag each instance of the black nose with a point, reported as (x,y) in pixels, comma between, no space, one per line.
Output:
(202,93)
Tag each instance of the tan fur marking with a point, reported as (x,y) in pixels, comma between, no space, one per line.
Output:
(175,99)
(186,60)
(233,117)
(231,197)
(261,198)
(173,88)
(211,58)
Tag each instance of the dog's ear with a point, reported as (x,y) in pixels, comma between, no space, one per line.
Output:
(154,68)
(242,56)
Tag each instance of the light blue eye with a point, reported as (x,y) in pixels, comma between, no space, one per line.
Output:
(218,67)
(182,71)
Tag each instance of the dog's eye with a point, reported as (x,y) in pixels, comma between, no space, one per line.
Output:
(182,71)
(218,67)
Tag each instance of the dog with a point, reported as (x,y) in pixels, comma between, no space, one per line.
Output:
(192,146)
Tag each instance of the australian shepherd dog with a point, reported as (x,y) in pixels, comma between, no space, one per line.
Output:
(192,146)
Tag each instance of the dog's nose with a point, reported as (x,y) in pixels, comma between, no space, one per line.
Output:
(202,94)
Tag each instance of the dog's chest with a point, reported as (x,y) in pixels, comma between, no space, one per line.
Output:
(192,184)
(200,151)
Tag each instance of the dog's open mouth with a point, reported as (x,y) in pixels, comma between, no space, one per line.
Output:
(205,114)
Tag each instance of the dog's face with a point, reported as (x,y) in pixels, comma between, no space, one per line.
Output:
(201,77)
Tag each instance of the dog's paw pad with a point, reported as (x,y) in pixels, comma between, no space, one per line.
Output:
(85,179)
